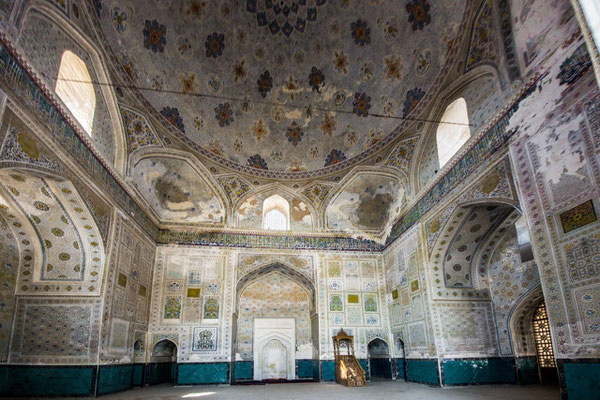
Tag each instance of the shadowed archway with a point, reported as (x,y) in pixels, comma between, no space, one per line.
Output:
(380,366)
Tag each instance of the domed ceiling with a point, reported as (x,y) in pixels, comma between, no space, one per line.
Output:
(287,85)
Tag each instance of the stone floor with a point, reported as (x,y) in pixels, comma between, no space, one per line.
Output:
(331,391)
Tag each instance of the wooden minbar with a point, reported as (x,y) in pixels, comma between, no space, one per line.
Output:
(348,371)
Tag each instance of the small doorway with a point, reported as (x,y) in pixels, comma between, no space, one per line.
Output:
(543,345)
(400,360)
(163,365)
(380,365)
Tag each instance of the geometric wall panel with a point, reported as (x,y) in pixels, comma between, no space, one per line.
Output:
(69,327)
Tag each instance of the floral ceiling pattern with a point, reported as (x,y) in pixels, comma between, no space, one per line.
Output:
(285,85)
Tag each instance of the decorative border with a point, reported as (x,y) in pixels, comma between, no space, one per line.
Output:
(239,240)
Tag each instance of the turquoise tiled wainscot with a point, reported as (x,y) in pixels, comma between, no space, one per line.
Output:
(137,379)
(478,371)
(400,364)
(580,378)
(201,374)
(316,371)
(422,371)
(328,371)
(243,371)
(114,378)
(47,381)
(304,369)
(527,370)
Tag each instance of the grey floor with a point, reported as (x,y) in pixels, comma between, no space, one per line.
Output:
(331,391)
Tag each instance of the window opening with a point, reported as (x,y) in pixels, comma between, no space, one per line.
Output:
(74,87)
(543,339)
(453,130)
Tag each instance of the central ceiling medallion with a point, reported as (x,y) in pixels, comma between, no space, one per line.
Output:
(284,16)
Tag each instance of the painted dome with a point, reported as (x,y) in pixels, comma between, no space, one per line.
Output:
(284,86)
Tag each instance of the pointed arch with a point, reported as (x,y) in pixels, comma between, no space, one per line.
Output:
(521,328)
(97,68)
(276,267)
(453,130)
(50,211)
(250,207)
(74,87)
(426,168)
(456,246)
(165,344)
(276,213)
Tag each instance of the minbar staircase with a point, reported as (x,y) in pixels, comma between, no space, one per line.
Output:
(348,371)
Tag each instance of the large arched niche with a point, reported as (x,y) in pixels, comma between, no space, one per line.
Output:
(275,290)
(460,247)
(248,211)
(366,201)
(178,188)
(13,248)
(483,94)
(504,264)
(61,246)
(44,36)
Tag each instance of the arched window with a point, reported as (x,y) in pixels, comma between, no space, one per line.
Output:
(591,9)
(453,130)
(74,87)
(543,339)
(276,213)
